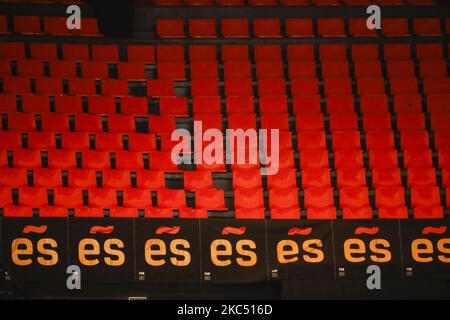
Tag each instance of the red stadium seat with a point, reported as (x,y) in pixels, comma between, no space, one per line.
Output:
(240,105)
(386,177)
(55,122)
(95,69)
(116,179)
(197,180)
(78,86)
(421,177)
(170,28)
(88,123)
(299,28)
(358,28)
(309,122)
(383,159)
(316,178)
(171,199)
(16,85)
(235,28)
(380,140)
(395,27)
(308,86)
(10,177)
(439,122)
(390,202)
(300,52)
(348,159)
(427,27)
(27,25)
(407,103)
(21,122)
(353,199)
(235,52)
(377,122)
(129,160)
(367,69)
(370,86)
(202,28)
(108,141)
(314,158)
(433,68)
(80,178)
(266,28)
(206,105)
(337,86)
(351,177)
(35,103)
(76,52)
(210,199)
(33,68)
(10,140)
(68,197)
(204,69)
(47,178)
(102,198)
(75,141)
(365,52)
(330,27)
(426,202)
(102,104)
(442,140)
(150,179)
(141,53)
(12,50)
(33,197)
(319,203)
(88,212)
(202,52)
(105,52)
(374,104)
(410,121)
(267,52)
(340,104)
(248,199)
(429,51)
(95,160)
(205,87)
(414,139)
(343,122)
(400,68)
(284,200)
(137,198)
(41,140)
(395,51)
(68,104)
(61,159)
(247,178)
(8,102)
(12,211)
(302,69)
(404,85)
(417,158)
(436,85)
(306,104)
(120,212)
(275,121)
(346,140)
(332,52)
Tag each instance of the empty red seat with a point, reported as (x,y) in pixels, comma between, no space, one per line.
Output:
(410,121)
(210,199)
(377,122)
(383,159)
(68,197)
(306,104)
(35,103)
(21,122)
(346,140)
(421,177)
(206,87)
(358,28)
(247,178)
(75,141)
(335,69)
(5,197)
(237,69)
(76,52)
(197,180)
(354,199)
(275,121)
(340,104)
(206,105)
(442,140)
(170,28)
(271,87)
(400,68)
(433,68)
(417,158)
(133,105)
(235,28)
(61,159)
(374,104)
(351,177)
(308,86)
(300,52)
(78,86)
(12,50)
(115,87)
(47,178)
(171,70)
(390,202)
(370,86)
(235,52)
(386,177)
(202,28)
(380,140)
(4,29)
(429,51)
(309,122)
(302,69)
(266,28)
(137,198)
(311,140)
(88,123)
(27,25)
(95,159)
(314,158)
(267,52)
(55,122)
(141,53)
(397,51)
(365,52)
(337,86)
(95,69)
(343,122)
(10,177)
(316,178)
(407,103)
(299,28)
(348,158)
(284,201)
(44,51)
(33,197)
(80,178)
(427,26)
(8,102)
(120,212)
(426,202)
(10,140)
(248,199)
(395,27)
(102,198)
(367,69)
(171,199)
(41,140)
(150,179)
(16,85)
(68,104)
(105,52)
(13,211)
(33,68)
(330,27)
(446,178)
(332,52)
(436,85)
(108,141)
(414,139)
(204,69)
(319,203)
(129,160)
(116,179)
(121,123)
(404,85)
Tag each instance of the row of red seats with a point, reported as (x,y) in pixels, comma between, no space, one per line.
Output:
(249,203)
(117,123)
(296,28)
(291,2)
(161,160)
(231,69)
(229,52)
(54,26)
(242,178)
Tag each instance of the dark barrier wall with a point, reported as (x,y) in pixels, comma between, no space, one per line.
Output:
(115,18)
